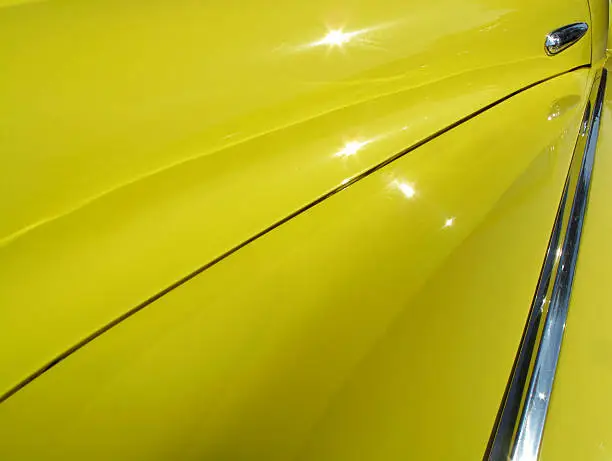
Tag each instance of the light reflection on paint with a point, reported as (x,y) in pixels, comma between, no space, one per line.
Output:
(336,38)
(339,38)
(449,222)
(406,189)
(350,148)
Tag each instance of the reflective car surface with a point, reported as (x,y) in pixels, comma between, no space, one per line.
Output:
(331,230)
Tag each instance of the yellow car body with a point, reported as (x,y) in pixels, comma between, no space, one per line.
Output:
(267,231)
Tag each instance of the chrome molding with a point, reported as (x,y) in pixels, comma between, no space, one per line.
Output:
(564,37)
(517,433)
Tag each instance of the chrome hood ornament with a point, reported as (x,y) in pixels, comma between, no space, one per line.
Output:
(564,37)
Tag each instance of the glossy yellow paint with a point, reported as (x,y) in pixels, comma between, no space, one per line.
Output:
(578,425)
(142,139)
(364,328)
(600,23)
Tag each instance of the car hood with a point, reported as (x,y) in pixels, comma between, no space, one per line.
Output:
(142,140)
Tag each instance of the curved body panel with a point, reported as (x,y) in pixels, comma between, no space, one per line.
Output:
(141,140)
(600,22)
(358,329)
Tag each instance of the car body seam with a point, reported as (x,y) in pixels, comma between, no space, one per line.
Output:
(344,185)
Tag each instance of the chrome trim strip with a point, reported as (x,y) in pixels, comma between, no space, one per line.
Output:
(531,426)
(564,37)
(517,433)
